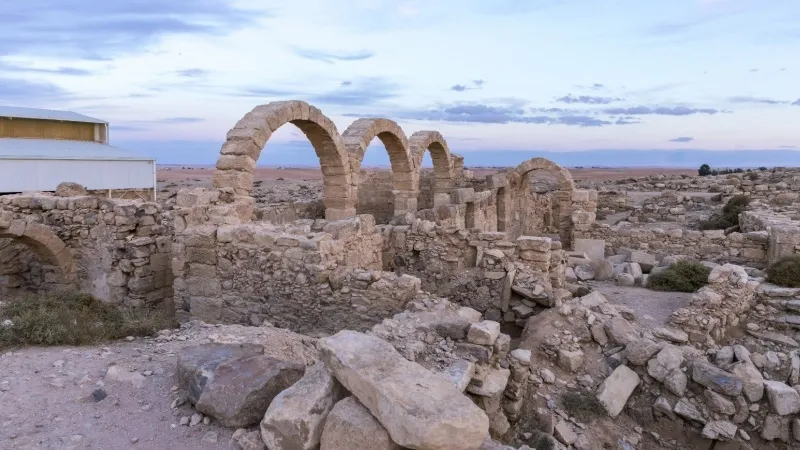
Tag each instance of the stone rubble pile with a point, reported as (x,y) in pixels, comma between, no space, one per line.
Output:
(436,376)
(725,392)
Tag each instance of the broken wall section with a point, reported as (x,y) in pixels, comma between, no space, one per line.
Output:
(312,276)
(711,245)
(121,248)
(482,270)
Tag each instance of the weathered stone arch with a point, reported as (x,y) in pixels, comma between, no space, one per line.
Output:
(442,162)
(561,198)
(517,176)
(42,241)
(244,142)
(356,140)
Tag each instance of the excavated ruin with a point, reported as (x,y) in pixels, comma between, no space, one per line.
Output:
(440,311)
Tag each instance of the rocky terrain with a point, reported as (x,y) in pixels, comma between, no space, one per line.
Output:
(444,309)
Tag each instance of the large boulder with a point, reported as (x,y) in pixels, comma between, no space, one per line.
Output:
(70,189)
(296,417)
(240,390)
(351,426)
(418,408)
(196,363)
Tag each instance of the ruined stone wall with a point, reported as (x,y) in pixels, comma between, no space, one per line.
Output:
(783,231)
(286,212)
(710,245)
(718,306)
(121,248)
(311,276)
(477,269)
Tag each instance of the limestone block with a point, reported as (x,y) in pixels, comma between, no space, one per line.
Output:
(418,408)
(595,249)
(296,417)
(483,333)
(351,426)
(615,390)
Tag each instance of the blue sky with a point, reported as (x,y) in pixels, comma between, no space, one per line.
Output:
(500,75)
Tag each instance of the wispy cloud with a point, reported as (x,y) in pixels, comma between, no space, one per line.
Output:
(682,139)
(332,57)
(100,30)
(476,84)
(144,125)
(359,92)
(789,146)
(511,111)
(759,100)
(15,91)
(660,110)
(193,73)
(362,92)
(587,99)
(16,68)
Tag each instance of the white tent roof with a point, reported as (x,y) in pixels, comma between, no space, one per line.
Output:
(13,148)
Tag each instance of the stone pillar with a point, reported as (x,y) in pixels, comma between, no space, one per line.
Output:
(405,201)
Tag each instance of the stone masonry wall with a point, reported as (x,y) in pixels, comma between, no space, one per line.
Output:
(121,248)
(311,276)
(477,269)
(710,245)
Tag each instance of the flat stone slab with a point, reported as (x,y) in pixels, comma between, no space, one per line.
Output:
(716,379)
(615,390)
(418,408)
(774,337)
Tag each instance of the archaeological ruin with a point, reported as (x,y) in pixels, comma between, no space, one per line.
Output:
(495,294)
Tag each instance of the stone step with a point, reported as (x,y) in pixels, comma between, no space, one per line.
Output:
(788,321)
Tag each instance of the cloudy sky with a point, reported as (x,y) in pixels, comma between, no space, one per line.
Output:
(491,75)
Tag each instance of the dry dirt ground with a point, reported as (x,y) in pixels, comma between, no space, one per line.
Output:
(46,394)
(651,307)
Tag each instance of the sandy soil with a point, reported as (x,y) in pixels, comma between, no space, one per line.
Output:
(46,393)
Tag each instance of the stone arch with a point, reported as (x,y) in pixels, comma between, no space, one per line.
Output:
(434,142)
(565,182)
(357,138)
(42,241)
(247,138)
(558,203)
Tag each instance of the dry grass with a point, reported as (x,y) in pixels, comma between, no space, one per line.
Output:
(72,319)
(582,405)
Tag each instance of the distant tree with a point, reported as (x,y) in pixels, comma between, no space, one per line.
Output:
(763,169)
(705,170)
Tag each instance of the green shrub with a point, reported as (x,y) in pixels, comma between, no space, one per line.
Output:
(683,276)
(785,272)
(729,216)
(73,319)
(704,170)
(582,405)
